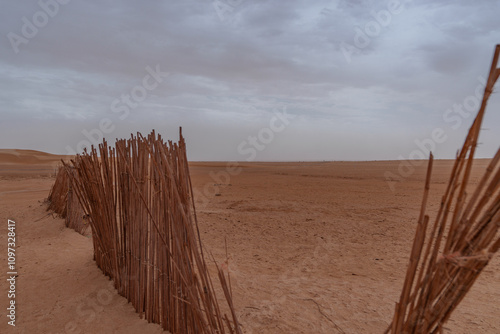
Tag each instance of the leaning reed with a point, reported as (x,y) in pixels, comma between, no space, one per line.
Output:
(448,256)
(58,195)
(63,201)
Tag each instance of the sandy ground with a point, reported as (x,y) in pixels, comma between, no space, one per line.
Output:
(313,248)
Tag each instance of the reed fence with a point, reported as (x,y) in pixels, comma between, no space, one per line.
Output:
(448,257)
(63,201)
(137,198)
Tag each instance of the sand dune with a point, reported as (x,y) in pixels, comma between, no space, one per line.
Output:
(30,162)
(12,156)
(313,248)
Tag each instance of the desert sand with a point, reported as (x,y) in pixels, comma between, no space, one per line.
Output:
(313,247)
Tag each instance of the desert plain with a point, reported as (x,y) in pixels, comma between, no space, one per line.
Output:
(311,247)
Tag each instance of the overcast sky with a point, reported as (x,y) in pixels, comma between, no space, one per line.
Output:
(249,79)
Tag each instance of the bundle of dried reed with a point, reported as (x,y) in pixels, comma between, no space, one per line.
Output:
(462,240)
(138,197)
(63,202)
(75,217)
(58,195)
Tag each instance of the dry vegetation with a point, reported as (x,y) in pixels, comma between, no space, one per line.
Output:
(451,262)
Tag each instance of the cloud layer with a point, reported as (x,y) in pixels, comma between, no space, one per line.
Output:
(363,79)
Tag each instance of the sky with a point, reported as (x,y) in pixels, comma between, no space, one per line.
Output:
(294,80)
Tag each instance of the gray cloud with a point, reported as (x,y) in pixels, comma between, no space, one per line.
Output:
(227,78)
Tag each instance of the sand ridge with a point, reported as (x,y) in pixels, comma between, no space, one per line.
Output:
(14,156)
(29,163)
